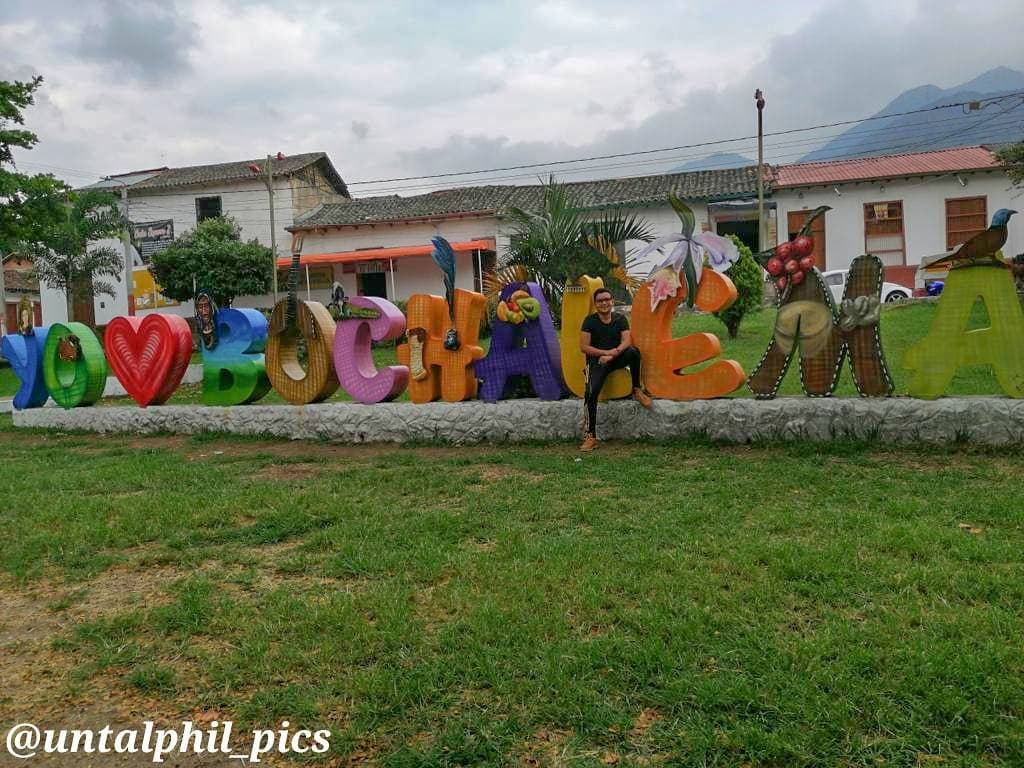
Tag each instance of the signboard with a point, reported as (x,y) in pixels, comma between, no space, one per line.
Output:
(152,237)
(147,292)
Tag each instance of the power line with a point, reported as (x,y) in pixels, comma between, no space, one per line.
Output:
(775,157)
(994,99)
(683,146)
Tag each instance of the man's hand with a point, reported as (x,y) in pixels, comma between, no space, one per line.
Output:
(605,359)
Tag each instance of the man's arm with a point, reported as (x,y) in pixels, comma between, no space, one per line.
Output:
(590,351)
(624,343)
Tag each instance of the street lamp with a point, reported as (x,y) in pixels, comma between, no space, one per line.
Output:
(759,100)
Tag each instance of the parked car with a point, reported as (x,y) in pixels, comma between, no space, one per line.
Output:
(836,281)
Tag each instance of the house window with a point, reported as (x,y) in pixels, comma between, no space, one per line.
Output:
(883,232)
(965,217)
(207,208)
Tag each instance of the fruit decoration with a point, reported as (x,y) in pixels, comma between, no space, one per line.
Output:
(788,263)
(518,308)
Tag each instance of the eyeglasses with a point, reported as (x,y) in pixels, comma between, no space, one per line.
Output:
(603,301)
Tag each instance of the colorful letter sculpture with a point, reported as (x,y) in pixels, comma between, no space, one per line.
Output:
(74,367)
(948,345)
(807,315)
(25,353)
(577,303)
(353,354)
(149,355)
(524,343)
(665,358)
(312,322)
(435,371)
(234,369)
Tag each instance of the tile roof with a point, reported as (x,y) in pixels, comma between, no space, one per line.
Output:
(637,191)
(222,172)
(885,167)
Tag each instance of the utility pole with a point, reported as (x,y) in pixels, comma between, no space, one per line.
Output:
(759,100)
(267,175)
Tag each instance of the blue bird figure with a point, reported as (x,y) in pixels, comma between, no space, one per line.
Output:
(983,246)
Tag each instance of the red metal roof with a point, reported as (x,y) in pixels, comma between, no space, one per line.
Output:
(373,254)
(887,167)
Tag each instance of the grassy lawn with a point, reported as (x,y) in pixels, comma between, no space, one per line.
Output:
(680,604)
(8,382)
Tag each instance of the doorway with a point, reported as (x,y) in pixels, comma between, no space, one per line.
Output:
(372,284)
(745,230)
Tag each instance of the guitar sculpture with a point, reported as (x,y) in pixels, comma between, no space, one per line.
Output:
(291,322)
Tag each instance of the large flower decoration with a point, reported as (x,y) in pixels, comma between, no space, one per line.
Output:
(687,257)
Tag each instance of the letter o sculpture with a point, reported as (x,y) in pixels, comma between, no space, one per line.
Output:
(79,380)
(297,384)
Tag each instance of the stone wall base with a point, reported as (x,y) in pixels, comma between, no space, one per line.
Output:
(979,420)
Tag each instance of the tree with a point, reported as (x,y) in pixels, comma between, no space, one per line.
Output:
(213,257)
(29,205)
(747,276)
(1012,158)
(563,241)
(63,257)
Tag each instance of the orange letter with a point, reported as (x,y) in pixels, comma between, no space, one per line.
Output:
(664,357)
(434,371)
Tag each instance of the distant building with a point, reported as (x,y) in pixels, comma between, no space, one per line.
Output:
(899,207)
(19,283)
(380,246)
(164,203)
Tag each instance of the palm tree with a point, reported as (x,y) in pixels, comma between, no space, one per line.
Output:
(561,242)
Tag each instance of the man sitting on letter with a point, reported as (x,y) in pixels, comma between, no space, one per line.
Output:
(605,340)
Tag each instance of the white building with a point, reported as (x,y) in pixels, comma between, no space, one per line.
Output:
(164,203)
(381,245)
(899,207)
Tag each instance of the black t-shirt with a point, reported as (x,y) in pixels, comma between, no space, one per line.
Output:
(605,335)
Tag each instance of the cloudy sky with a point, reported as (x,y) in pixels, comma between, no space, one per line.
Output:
(393,89)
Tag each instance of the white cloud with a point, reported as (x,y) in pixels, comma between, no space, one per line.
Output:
(396,88)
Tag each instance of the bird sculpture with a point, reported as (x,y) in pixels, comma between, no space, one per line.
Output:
(982,248)
(444,257)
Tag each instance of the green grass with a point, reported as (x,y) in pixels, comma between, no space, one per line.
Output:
(8,382)
(679,604)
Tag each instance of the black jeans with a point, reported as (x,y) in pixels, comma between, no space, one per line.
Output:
(597,373)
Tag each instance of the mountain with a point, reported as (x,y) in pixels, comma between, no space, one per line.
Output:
(714,162)
(944,127)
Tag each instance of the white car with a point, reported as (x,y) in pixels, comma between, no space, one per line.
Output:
(836,281)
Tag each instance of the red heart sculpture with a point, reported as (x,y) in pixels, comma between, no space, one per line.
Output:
(148,355)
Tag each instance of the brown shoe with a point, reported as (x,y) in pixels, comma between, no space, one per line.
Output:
(642,397)
(589,443)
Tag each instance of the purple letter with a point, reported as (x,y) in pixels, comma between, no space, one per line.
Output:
(525,343)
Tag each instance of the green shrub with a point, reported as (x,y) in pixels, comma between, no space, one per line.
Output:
(748,277)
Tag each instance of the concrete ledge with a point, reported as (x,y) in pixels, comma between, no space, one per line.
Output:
(981,420)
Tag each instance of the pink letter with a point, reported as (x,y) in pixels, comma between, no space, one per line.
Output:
(353,358)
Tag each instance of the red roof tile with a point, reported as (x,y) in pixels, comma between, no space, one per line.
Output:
(887,167)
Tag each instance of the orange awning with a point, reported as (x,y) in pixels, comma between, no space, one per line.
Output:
(375,254)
